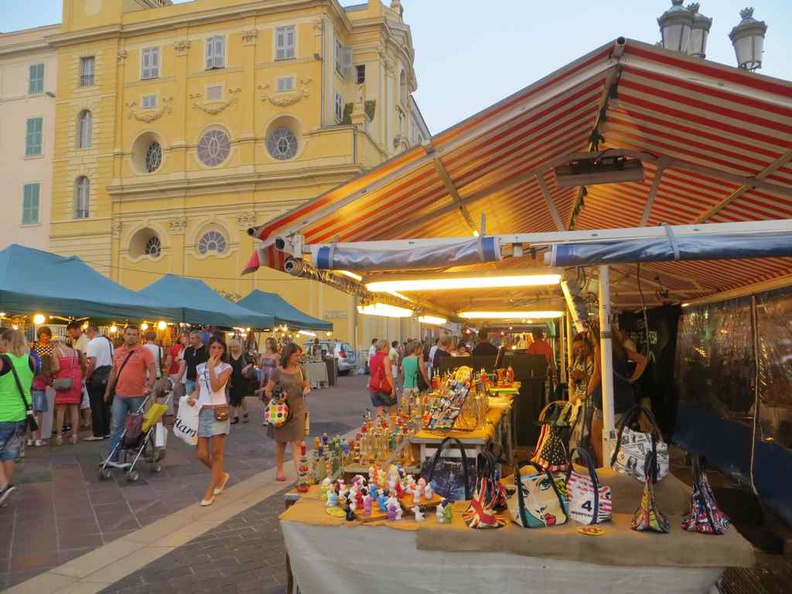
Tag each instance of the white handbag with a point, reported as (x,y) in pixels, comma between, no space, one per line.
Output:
(590,502)
(633,448)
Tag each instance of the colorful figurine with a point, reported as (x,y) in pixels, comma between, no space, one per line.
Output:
(392,512)
(399,512)
(350,513)
(332,500)
(428,492)
(325,488)
(382,502)
(443,512)
(421,488)
(367,502)
(419,514)
(417,497)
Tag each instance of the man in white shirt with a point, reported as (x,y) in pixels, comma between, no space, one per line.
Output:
(157,352)
(100,362)
(371,353)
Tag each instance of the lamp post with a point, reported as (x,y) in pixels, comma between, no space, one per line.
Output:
(748,40)
(675,26)
(699,32)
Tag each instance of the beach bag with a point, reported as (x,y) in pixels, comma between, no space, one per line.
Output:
(634,449)
(704,514)
(647,518)
(550,451)
(454,479)
(539,500)
(185,427)
(277,412)
(589,501)
(480,514)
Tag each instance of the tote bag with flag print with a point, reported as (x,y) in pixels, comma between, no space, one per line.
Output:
(590,502)
(704,514)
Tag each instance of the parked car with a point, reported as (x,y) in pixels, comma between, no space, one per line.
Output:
(343,351)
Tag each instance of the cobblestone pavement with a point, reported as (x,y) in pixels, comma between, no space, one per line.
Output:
(62,510)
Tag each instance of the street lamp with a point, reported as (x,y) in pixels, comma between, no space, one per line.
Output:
(748,40)
(698,32)
(675,25)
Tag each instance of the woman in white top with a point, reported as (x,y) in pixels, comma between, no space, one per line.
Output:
(210,395)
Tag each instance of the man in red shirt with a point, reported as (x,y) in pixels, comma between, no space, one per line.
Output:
(540,346)
(131,380)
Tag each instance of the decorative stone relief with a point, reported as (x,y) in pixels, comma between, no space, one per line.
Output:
(116,228)
(390,65)
(285,99)
(122,56)
(149,115)
(182,46)
(249,37)
(246,220)
(178,225)
(215,107)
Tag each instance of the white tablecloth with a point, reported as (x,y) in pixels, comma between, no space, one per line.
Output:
(317,373)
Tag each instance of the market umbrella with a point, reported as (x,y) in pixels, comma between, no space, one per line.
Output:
(283,312)
(34,280)
(200,304)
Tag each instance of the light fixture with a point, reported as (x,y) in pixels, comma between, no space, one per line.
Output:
(675,25)
(385,310)
(39,319)
(686,305)
(144,326)
(432,320)
(748,40)
(161,325)
(476,233)
(452,283)
(15,327)
(329,334)
(113,329)
(3,314)
(603,170)
(351,275)
(84,327)
(698,32)
(509,315)
(307,333)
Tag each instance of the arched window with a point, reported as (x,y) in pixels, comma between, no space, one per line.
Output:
(403,93)
(214,148)
(153,247)
(212,242)
(84,129)
(282,144)
(82,198)
(153,157)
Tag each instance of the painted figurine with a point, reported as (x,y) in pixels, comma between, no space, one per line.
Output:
(350,513)
(382,502)
(367,502)
(325,488)
(417,497)
(419,514)
(444,512)
(392,512)
(428,492)
(332,500)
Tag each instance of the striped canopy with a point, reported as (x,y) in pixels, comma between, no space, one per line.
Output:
(715,142)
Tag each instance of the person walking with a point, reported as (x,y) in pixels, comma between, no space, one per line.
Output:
(174,359)
(413,366)
(239,384)
(291,378)
(131,381)
(371,352)
(213,419)
(17,368)
(194,355)
(79,342)
(157,352)
(42,381)
(395,359)
(382,385)
(68,384)
(100,363)
(484,348)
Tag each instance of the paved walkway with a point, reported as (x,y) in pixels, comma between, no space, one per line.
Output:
(62,511)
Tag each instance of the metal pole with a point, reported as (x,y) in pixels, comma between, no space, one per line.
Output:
(606,362)
(570,333)
(562,359)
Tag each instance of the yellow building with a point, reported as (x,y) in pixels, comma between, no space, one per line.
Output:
(180,126)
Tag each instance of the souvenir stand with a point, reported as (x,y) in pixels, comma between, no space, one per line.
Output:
(694,170)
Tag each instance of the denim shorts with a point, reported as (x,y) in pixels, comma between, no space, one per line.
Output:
(208,426)
(12,438)
(39,398)
(383,399)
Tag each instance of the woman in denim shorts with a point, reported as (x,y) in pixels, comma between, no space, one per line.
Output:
(15,362)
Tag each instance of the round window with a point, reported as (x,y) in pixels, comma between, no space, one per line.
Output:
(153,157)
(212,241)
(153,247)
(282,144)
(214,148)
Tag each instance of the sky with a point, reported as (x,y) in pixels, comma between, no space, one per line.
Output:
(470,54)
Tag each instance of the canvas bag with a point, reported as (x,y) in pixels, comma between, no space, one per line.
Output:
(704,514)
(277,412)
(647,518)
(454,480)
(550,451)
(538,500)
(480,514)
(590,502)
(634,449)
(185,427)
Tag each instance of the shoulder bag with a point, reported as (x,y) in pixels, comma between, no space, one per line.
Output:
(538,500)
(590,502)
(634,449)
(454,480)
(111,396)
(30,417)
(550,451)
(704,515)
(64,384)
(277,412)
(420,382)
(222,412)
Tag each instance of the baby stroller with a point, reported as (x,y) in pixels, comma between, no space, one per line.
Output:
(137,441)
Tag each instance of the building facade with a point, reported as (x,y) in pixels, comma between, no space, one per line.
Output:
(180,126)
(28,77)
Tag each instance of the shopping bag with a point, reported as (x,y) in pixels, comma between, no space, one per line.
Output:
(160,435)
(86,401)
(480,514)
(647,518)
(185,427)
(634,449)
(454,479)
(487,469)
(539,500)
(589,501)
(153,415)
(550,451)
(704,514)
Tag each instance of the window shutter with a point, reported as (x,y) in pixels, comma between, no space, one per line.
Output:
(347,62)
(280,43)
(219,52)
(155,63)
(146,64)
(210,53)
(290,42)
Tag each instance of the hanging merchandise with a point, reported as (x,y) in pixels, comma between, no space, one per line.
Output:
(589,501)
(539,499)
(454,480)
(633,448)
(550,449)
(647,518)
(704,515)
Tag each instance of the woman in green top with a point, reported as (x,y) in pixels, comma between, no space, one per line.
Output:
(14,356)
(412,365)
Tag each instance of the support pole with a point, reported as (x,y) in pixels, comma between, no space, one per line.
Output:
(562,352)
(606,362)
(570,333)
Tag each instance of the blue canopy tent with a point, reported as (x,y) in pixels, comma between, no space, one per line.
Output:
(33,280)
(200,304)
(284,313)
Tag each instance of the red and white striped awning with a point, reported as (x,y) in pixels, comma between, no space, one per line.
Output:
(715,141)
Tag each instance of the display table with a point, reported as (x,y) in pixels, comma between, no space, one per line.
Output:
(317,373)
(329,554)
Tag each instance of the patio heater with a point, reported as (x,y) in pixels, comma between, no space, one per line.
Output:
(748,40)
(675,26)
(699,32)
